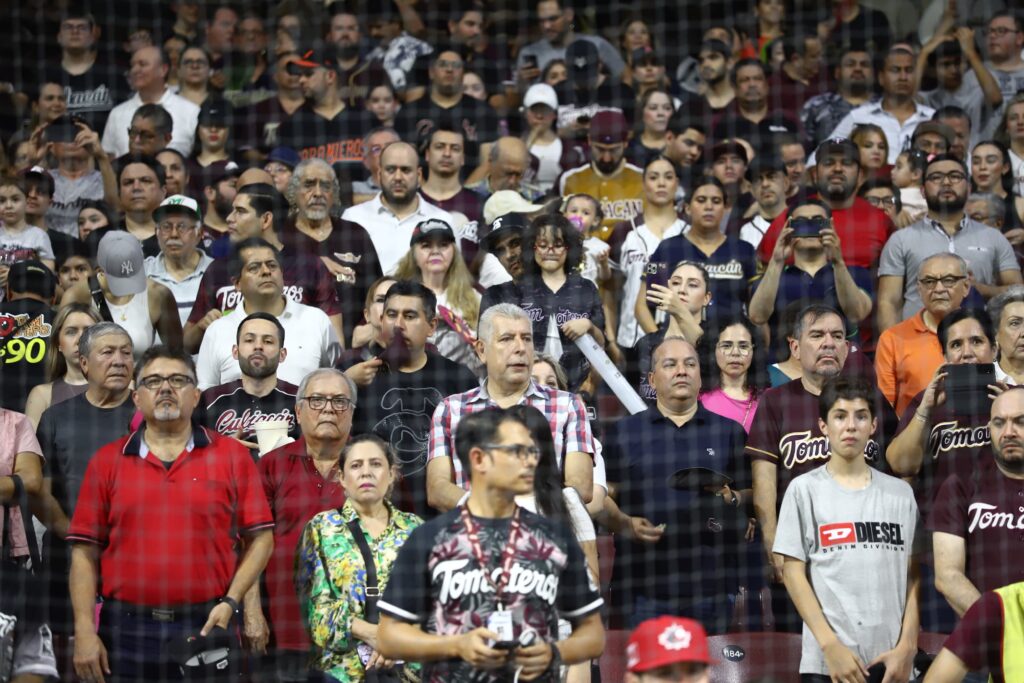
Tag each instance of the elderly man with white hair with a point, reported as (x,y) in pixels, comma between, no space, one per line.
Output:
(505,345)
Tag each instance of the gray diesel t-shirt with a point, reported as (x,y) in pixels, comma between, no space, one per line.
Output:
(68,197)
(857,545)
(985,249)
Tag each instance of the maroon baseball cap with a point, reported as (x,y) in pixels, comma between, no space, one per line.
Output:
(609,127)
(665,641)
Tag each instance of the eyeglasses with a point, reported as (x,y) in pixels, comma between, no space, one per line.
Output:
(180,228)
(544,246)
(1000,31)
(339,404)
(880,202)
(453,64)
(154,382)
(954,177)
(522,452)
(74,26)
(947,282)
(729,348)
(192,63)
(143,135)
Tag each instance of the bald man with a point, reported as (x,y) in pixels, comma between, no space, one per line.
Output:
(508,163)
(391,215)
(148,78)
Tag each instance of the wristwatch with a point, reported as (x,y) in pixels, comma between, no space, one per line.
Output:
(231,602)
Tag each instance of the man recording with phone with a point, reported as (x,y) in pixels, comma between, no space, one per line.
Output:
(818,271)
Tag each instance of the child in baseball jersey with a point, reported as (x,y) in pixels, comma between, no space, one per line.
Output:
(847,534)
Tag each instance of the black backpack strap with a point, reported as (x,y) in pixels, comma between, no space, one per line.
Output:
(372,589)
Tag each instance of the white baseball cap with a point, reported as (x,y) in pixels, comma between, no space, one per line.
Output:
(541,93)
(507,201)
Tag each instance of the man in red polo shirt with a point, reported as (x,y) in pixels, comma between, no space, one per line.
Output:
(862,228)
(158,519)
(300,479)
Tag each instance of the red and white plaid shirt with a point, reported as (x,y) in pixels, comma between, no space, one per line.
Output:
(565,413)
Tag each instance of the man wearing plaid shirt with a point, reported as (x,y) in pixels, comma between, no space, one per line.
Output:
(505,345)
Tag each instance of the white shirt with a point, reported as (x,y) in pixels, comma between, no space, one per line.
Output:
(391,235)
(309,340)
(184,114)
(1017,169)
(896,134)
(753,230)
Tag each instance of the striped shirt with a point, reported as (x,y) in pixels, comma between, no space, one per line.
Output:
(565,413)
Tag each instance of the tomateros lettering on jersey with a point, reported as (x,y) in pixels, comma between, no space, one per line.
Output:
(984,516)
(456,581)
(947,436)
(798,448)
(850,534)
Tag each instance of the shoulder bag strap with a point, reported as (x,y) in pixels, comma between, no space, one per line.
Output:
(372,589)
(97,298)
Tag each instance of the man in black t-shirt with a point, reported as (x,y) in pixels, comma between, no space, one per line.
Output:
(69,433)
(445,102)
(476,593)
(235,408)
(408,385)
(25,324)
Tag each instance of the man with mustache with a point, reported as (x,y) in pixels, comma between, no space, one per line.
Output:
(976,520)
(862,229)
(990,260)
(206,529)
(235,408)
(180,264)
(618,183)
(660,526)
(785,440)
(256,272)
(390,217)
(909,353)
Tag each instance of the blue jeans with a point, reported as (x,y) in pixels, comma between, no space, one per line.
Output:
(136,644)
(713,613)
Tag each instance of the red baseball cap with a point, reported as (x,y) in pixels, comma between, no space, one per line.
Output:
(665,641)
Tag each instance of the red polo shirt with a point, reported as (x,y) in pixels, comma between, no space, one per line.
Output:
(862,230)
(169,536)
(296,492)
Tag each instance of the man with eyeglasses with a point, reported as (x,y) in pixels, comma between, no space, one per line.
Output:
(677,544)
(300,479)
(176,569)
(991,263)
(514,571)
(148,78)
(91,83)
(881,194)
(445,102)
(908,353)
(256,273)
(180,264)
(150,131)
(1004,40)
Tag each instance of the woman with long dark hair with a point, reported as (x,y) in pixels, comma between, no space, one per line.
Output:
(734,365)
(551,500)
(991,172)
(563,304)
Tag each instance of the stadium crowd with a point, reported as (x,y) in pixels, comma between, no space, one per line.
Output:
(437,341)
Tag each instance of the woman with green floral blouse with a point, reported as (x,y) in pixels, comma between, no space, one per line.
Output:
(330,573)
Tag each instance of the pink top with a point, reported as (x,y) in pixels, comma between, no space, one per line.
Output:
(16,436)
(719,403)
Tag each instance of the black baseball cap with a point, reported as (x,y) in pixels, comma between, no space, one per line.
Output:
(325,56)
(501,226)
(582,59)
(214,656)
(848,148)
(431,229)
(216,111)
(765,162)
(729,147)
(32,277)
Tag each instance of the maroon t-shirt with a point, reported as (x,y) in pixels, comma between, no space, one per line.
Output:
(953,446)
(306,281)
(978,638)
(785,433)
(296,493)
(985,510)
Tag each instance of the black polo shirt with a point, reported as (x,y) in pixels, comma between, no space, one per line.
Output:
(702,534)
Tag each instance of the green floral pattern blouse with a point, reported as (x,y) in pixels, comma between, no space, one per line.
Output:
(330,577)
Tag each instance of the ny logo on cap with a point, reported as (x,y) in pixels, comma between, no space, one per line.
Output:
(127,268)
(675,637)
